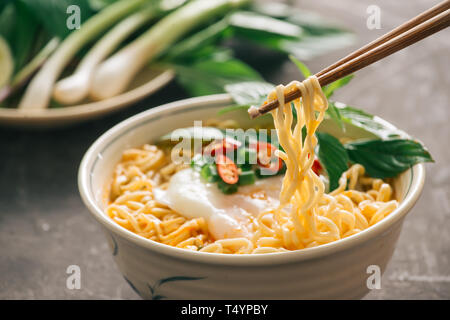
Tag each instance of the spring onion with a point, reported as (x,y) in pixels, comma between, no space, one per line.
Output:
(28,70)
(6,63)
(227,188)
(247,177)
(76,87)
(209,173)
(115,74)
(38,93)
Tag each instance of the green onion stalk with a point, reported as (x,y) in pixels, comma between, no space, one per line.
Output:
(39,91)
(114,75)
(75,88)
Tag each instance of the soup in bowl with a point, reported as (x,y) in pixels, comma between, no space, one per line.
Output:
(231,258)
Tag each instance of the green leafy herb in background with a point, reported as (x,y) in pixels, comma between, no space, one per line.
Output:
(29,25)
(211,75)
(53,13)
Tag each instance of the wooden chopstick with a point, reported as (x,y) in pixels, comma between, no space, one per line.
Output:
(416,29)
(430,13)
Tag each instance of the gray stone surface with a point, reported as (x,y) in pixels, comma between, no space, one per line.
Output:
(44,226)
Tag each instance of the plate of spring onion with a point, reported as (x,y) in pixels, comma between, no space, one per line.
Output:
(68,61)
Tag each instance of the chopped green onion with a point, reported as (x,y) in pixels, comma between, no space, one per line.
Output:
(209,173)
(227,188)
(198,162)
(247,177)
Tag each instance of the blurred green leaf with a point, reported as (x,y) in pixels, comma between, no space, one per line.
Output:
(19,27)
(311,46)
(250,92)
(301,66)
(53,13)
(321,35)
(211,75)
(329,89)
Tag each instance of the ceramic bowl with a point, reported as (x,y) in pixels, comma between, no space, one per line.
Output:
(345,269)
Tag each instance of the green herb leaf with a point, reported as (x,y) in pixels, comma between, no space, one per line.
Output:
(385,159)
(320,35)
(19,27)
(212,75)
(370,123)
(301,66)
(53,13)
(250,92)
(329,89)
(333,156)
(314,45)
(334,113)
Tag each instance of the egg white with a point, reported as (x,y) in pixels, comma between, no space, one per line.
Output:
(228,216)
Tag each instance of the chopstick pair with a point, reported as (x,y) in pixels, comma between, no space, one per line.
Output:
(412,31)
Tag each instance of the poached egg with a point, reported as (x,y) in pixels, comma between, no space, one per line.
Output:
(227,216)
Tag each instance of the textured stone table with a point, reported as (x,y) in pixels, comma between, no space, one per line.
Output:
(44,226)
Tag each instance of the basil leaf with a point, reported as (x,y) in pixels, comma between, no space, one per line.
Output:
(385,159)
(334,113)
(301,66)
(370,123)
(212,75)
(329,89)
(314,45)
(333,156)
(250,92)
(319,35)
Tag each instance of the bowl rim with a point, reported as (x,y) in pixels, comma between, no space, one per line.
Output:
(87,195)
(89,109)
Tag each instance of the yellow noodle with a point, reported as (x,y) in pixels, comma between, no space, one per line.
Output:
(307,216)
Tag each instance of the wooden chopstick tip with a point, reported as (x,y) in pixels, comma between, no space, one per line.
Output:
(253,112)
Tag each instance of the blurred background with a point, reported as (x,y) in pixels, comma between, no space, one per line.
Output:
(44,226)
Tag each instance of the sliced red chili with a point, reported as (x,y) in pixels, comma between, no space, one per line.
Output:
(227,169)
(266,156)
(221,147)
(317,167)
